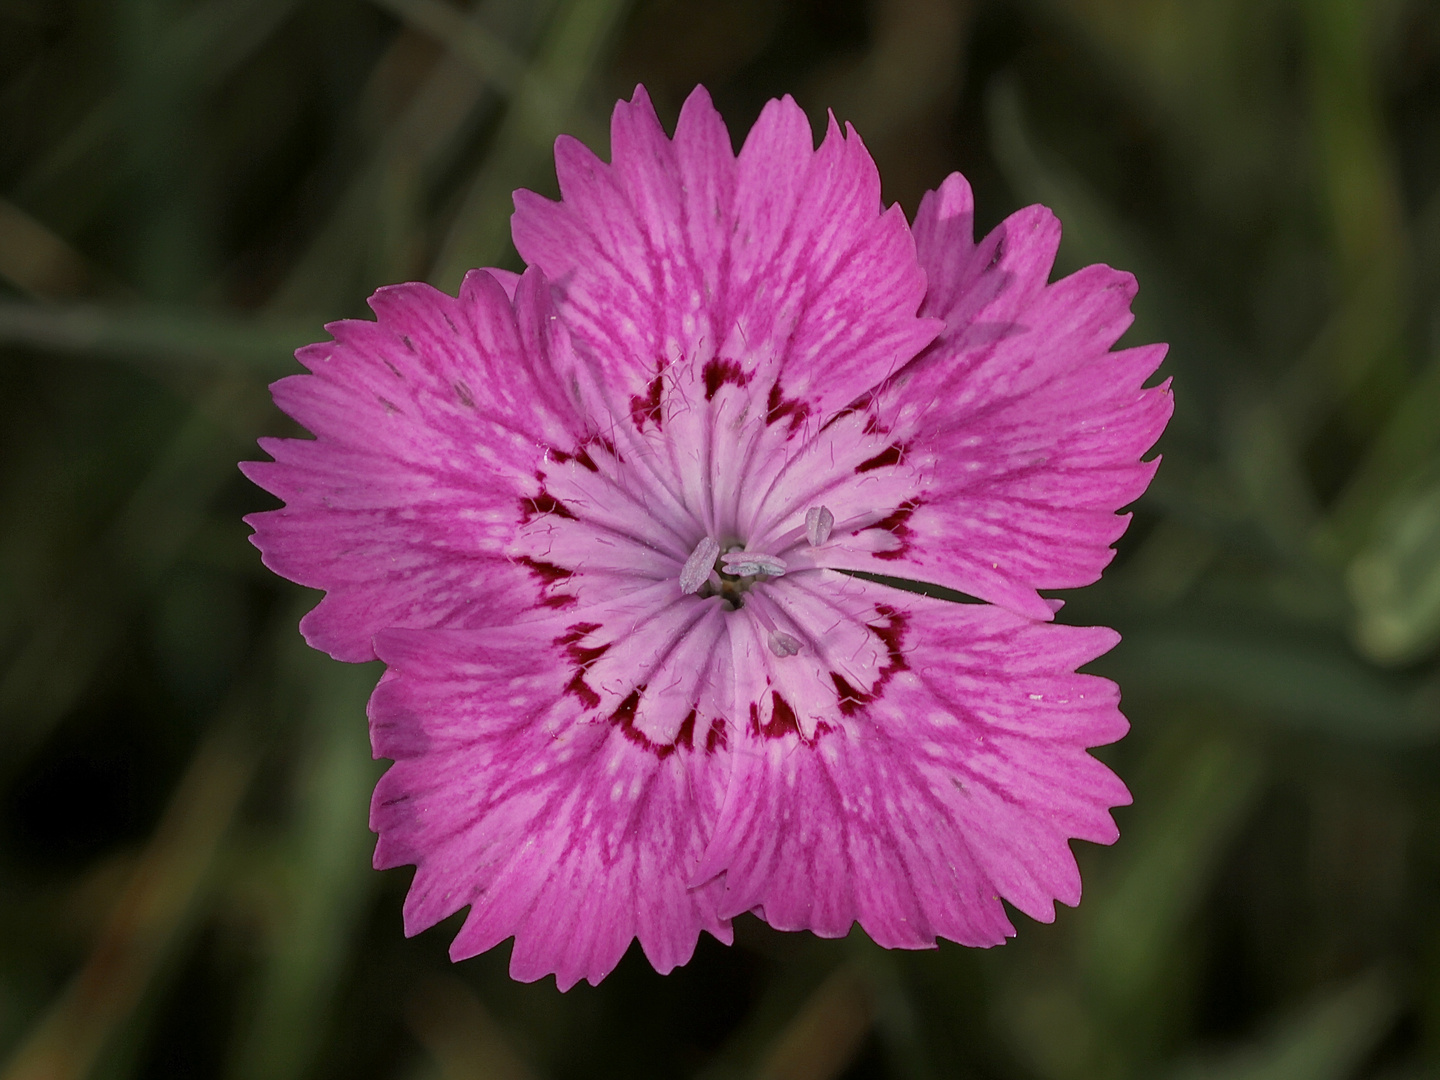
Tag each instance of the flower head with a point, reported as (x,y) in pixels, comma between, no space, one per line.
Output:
(602,522)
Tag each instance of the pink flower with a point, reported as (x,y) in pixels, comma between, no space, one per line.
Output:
(598,521)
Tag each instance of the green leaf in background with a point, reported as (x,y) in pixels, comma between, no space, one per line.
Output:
(1328,1040)
(1395,579)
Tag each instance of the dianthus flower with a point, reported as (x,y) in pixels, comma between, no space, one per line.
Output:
(602,522)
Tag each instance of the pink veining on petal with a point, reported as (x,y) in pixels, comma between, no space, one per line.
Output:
(402,506)
(777,262)
(601,522)
(1041,427)
(575,838)
(959,783)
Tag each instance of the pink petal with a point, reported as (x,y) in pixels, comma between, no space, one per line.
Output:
(430,423)
(960,783)
(778,261)
(571,834)
(1039,426)
(508,279)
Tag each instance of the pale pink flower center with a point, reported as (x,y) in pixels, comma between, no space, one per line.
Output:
(697,525)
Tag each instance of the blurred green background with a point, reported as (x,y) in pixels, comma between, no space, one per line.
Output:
(190,188)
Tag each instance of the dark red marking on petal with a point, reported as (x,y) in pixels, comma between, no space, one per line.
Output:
(544,503)
(390,406)
(719,372)
(850,698)
(408,343)
(715,738)
(686,735)
(861,402)
(581,657)
(896,522)
(648,407)
(463,393)
(576,633)
(451,323)
(783,720)
(549,574)
(891,632)
(778,407)
(893,454)
(393,369)
(578,686)
(580,457)
(624,718)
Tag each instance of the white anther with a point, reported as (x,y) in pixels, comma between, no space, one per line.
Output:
(782,644)
(750,564)
(698,566)
(818,523)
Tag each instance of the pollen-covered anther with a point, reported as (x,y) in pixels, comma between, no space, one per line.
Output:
(819,521)
(698,566)
(782,644)
(750,564)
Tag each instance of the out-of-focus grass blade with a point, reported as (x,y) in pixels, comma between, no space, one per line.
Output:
(144,927)
(462,1036)
(1132,918)
(148,334)
(491,57)
(39,261)
(77,622)
(350,254)
(824,1036)
(1395,579)
(1329,1040)
(897,1023)
(172,254)
(1409,438)
(217,37)
(1091,232)
(327,878)
(903,89)
(569,53)
(1201,354)
(1305,683)
(1182,63)
(1102,1011)
(1263,455)
(1362,342)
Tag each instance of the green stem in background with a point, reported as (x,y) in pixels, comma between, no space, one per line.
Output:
(325,877)
(149,334)
(1362,345)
